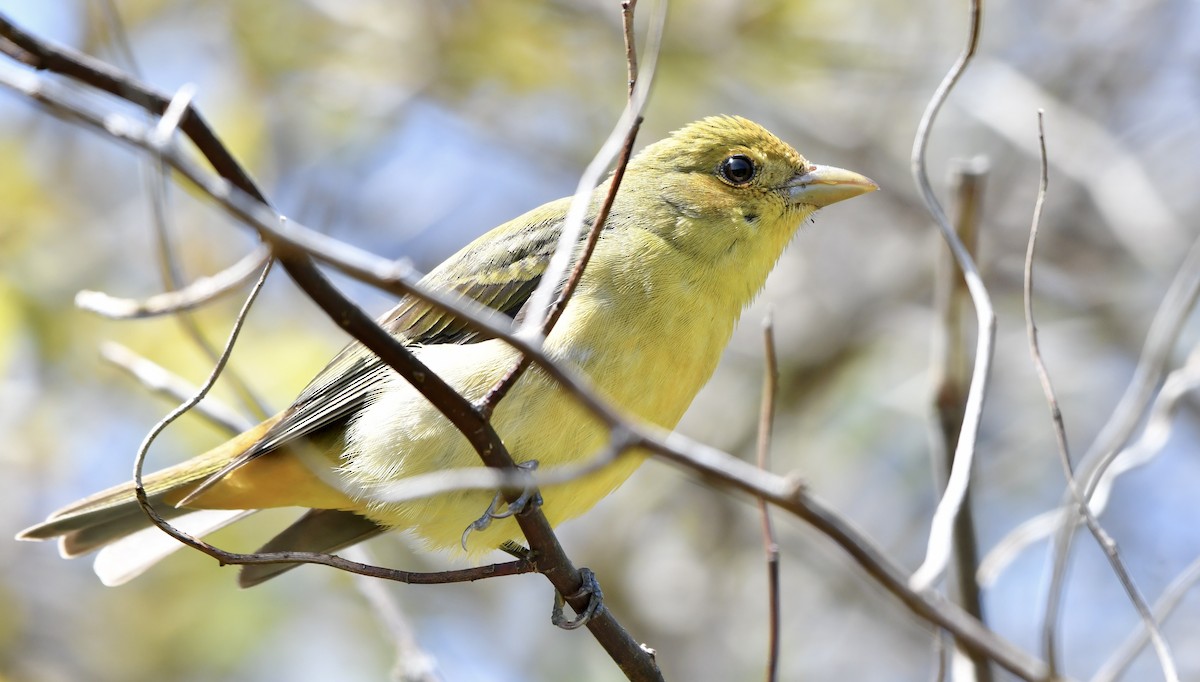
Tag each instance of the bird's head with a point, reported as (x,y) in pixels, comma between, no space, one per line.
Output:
(724,180)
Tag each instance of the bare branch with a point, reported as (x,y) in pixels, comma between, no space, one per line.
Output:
(942,528)
(627,9)
(1154,436)
(1098,160)
(940,656)
(170,269)
(200,292)
(713,464)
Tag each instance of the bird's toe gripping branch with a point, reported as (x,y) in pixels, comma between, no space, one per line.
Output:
(528,499)
(591,588)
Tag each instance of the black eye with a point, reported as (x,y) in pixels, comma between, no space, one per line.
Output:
(737,169)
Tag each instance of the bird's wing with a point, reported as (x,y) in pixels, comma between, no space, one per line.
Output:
(500,270)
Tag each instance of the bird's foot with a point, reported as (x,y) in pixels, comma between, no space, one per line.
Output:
(529,498)
(589,588)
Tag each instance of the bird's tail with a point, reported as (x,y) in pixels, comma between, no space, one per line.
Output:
(113,521)
(110,515)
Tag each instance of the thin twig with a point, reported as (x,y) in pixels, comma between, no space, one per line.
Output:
(627,10)
(1050,622)
(942,527)
(1164,332)
(539,306)
(632,120)
(766,420)
(170,270)
(494,395)
(201,291)
(157,188)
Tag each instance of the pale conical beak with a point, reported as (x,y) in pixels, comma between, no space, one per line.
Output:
(824,185)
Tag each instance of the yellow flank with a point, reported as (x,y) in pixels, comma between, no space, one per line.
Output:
(700,220)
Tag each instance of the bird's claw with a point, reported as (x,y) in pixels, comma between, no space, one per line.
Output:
(528,499)
(590,587)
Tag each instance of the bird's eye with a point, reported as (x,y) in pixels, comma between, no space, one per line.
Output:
(737,169)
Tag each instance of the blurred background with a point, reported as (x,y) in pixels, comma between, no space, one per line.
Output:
(409,127)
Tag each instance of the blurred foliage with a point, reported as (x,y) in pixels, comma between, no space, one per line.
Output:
(408,127)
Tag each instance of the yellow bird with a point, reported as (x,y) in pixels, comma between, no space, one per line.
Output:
(699,222)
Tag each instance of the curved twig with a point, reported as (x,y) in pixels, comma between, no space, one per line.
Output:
(942,527)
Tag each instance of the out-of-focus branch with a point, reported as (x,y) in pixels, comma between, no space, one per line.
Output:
(941,530)
(1154,436)
(1050,624)
(1104,164)
(157,188)
(951,372)
(1151,215)
(159,380)
(200,292)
